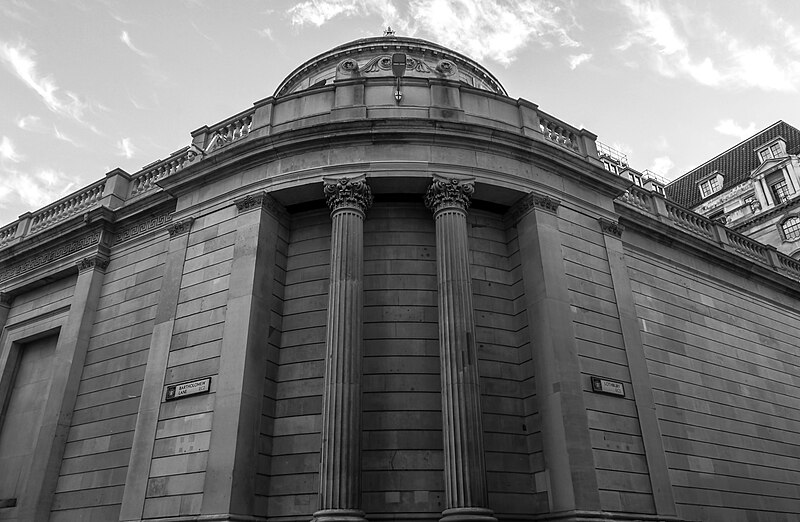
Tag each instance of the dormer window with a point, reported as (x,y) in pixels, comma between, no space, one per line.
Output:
(775,149)
(711,185)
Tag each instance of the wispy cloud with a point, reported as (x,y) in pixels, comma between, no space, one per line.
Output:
(34,189)
(729,127)
(63,137)
(576,59)
(30,123)
(7,150)
(126,39)
(126,148)
(21,62)
(717,59)
(496,29)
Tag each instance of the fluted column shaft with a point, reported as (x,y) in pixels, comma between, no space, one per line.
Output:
(464,468)
(340,468)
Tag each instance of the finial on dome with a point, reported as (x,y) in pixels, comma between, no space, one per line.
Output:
(388,31)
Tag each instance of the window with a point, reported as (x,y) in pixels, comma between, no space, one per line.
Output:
(773,151)
(637,180)
(658,188)
(780,191)
(791,228)
(711,185)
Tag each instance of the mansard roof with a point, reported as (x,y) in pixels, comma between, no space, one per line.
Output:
(735,164)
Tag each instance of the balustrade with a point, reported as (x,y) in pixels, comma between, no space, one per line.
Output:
(559,132)
(639,198)
(748,247)
(230,130)
(65,208)
(690,221)
(146,180)
(7,234)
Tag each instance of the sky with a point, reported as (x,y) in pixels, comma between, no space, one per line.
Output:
(87,86)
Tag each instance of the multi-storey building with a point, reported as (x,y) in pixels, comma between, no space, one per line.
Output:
(752,187)
(392,292)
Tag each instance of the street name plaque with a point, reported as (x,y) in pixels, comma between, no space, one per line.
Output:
(606,386)
(188,388)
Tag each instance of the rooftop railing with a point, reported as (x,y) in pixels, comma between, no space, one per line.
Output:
(701,227)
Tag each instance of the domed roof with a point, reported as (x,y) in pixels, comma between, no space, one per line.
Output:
(372,57)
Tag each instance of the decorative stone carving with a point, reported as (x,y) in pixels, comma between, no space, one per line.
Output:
(446,68)
(349,66)
(353,192)
(180,228)
(50,255)
(534,200)
(449,192)
(142,227)
(612,228)
(92,262)
(260,200)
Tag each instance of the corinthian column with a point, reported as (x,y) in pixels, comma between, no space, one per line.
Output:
(340,468)
(464,468)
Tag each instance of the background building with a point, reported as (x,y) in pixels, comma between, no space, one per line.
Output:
(399,298)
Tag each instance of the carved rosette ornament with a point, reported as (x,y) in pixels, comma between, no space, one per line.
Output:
(353,193)
(449,193)
(446,68)
(349,66)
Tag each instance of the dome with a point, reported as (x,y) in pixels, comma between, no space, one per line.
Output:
(372,57)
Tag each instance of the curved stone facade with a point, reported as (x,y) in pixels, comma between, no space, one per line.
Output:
(342,307)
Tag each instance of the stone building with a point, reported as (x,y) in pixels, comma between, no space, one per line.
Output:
(752,187)
(392,292)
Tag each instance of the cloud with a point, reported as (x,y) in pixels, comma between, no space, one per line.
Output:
(63,137)
(662,165)
(21,62)
(495,29)
(30,123)
(670,42)
(576,59)
(126,39)
(7,151)
(731,128)
(34,190)
(126,148)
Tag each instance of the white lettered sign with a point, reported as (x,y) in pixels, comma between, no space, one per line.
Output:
(185,389)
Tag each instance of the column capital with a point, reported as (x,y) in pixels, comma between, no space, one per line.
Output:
(260,200)
(534,200)
(6,299)
(347,192)
(181,227)
(449,192)
(612,228)
(92,262)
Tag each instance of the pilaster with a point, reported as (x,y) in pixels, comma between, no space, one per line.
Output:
(464,467)
(340,468)
(568,457)
(5,305)
(152,388)
(67,367)
(640,375)
(234,445)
